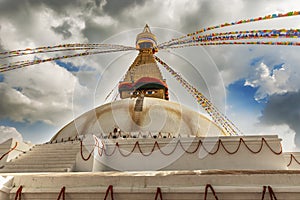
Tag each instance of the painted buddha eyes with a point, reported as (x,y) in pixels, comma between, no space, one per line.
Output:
(147,92)
(135,93)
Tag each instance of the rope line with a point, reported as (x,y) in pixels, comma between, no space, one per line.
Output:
(9,151)
(292,157)
(62,193)
(271,192)
(109,189)
(19,193)
(158,192)
(81,153)
(137,148)
(209,186)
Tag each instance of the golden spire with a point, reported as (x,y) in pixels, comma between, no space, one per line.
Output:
(144,76)
(146,29)
(146,39)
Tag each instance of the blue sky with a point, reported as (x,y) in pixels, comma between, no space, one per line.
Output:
(1,77)
(33,132)
(39,100)
(68,66)
(242,97)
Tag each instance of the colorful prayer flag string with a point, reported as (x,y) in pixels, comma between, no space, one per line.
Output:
(272,43)
(62,46)
(25,63)
(241,35)
(220,119)
(267,17)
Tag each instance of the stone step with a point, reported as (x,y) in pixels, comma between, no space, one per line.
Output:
(49,163)
(36,165)
(33,162)
(64,153)
(47,156)
(58,144)
(29,162)
(51,152)
(46,149)
(57,169)
(59,151)
(54,149)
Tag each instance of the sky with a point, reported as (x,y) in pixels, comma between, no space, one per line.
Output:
(256,86)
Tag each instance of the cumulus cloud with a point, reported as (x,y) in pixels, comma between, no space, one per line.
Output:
(116,7)
(27,95)
(8,133)
(22,7)
(275,73)
(38,94)
(63,29)
(268,81)
(284,109)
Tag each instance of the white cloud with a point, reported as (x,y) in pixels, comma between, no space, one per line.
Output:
(8,133)
(283,131)
(268,82)
(271,81)
(39,93)
(105,21)
(45,92)
(36,31)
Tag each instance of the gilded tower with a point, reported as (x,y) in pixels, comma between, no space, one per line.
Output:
(143,78)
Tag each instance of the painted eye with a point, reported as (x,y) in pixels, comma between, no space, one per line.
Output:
(135,93)
(150,92)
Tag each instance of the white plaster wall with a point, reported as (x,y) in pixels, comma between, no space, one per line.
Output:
(243,159)
(5,186)
(9,144)
(292,160)
(82,165)
(229,185)
(22,147)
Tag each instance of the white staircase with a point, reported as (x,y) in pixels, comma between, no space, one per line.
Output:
(59,157)
(174,185)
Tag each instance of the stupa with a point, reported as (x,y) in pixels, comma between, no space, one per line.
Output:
(143,146)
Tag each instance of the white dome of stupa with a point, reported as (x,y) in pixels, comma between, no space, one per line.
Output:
(140,115)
